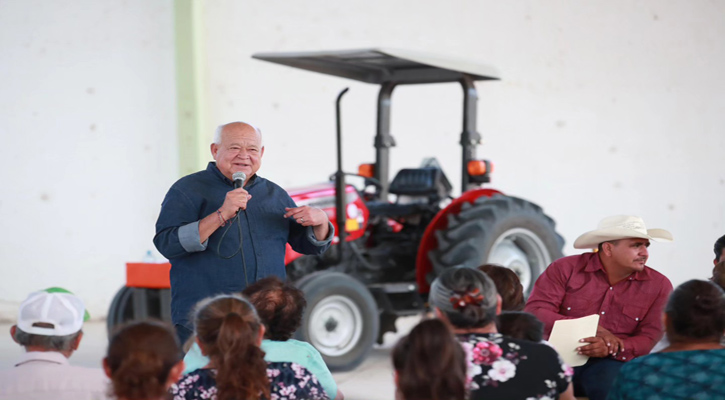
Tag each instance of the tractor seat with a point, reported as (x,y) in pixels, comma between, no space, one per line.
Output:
(428,181)
(393,210)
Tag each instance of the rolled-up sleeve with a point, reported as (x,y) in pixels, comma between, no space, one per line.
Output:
(302,239)
(177,228)
(190,239)
(324,242)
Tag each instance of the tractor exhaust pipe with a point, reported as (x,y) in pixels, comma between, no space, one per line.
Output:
(340,195)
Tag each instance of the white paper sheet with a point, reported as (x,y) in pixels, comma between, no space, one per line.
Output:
(566,334)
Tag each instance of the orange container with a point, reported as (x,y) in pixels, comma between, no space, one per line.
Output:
(148,275)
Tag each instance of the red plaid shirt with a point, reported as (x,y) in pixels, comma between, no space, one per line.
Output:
(577,286)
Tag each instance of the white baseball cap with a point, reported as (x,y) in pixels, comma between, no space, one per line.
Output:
(51,314)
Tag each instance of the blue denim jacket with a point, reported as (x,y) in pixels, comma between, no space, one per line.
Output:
(198,270)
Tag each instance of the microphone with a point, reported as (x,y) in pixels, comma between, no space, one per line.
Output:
(239,178)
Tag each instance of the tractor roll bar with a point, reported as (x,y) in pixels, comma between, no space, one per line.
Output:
(340,198)
(470,138)
(383,140)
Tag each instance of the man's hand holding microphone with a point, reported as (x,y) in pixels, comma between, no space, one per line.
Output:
(236,199)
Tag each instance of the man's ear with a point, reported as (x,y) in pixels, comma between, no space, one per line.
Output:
(13,329)
(77,341)
(499,302)
(261,152)
(606,249)
(214,149)
(175,374)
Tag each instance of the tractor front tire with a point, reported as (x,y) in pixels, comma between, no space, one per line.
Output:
(501,230)
(341,320)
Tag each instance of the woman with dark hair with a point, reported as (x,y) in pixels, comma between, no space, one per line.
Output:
(498,367)
(279,305)
(693,365)
(520,325)
(508,286)
(429,364)
(143,361)
(512,321)
(229,332)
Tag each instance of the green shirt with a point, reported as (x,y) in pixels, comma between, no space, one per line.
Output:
(292,350)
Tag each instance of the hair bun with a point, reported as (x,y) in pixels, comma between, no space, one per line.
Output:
(706,303)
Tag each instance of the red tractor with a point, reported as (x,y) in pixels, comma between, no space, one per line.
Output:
(397,234)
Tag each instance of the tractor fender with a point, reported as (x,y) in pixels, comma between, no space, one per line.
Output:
(429,242)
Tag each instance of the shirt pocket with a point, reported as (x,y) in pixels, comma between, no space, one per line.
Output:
(577,307)
(630,318)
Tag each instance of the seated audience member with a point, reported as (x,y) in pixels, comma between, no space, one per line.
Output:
(508,286)
(499,367)
(429,364)
(614,283)
(718,278)
(49,328)
(280,306)
(143,361)
(229,332)
(520,325)
(693,365)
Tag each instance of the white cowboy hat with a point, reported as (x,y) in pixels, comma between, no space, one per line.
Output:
(620,227)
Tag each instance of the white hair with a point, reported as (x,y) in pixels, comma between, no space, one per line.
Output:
(220,128)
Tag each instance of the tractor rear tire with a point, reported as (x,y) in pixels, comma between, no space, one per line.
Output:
(501,230)
(341,320)
(121,309)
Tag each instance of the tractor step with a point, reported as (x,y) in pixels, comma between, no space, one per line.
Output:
(398,287)
(398,299)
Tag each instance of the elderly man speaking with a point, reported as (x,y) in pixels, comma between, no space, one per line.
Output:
(219,238)
(615,283)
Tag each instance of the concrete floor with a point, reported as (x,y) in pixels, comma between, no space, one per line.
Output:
(372,380)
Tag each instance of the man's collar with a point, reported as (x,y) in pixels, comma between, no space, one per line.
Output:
(643,275)
(215,170)
(46,356)
(595,264)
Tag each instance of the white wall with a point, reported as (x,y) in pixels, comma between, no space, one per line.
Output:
(87,142)
(605,107)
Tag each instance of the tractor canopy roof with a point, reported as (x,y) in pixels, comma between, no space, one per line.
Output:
(381,65)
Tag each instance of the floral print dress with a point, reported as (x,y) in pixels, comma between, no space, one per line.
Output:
(503,368)
(289,381)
